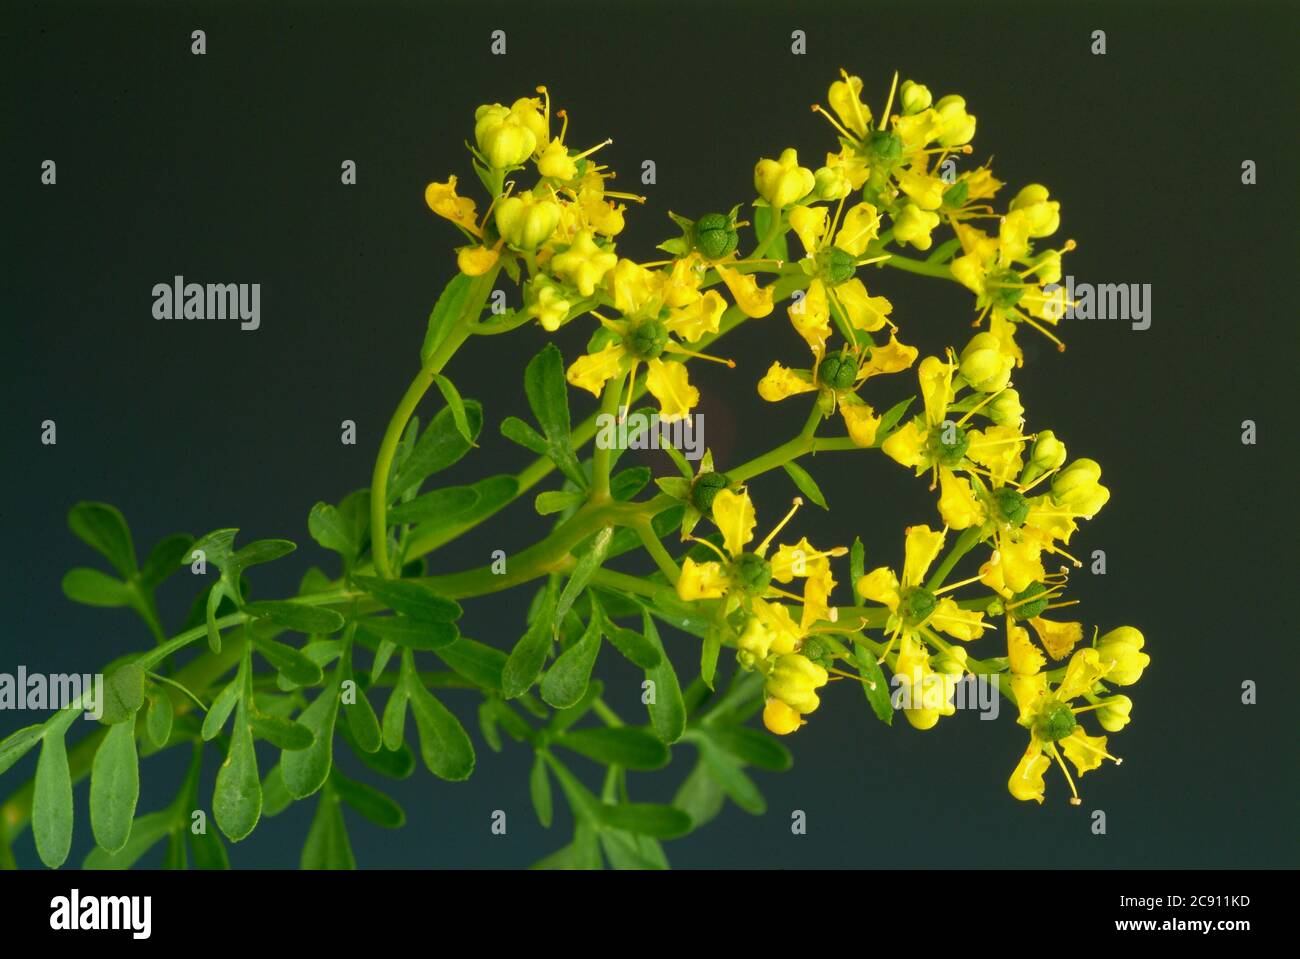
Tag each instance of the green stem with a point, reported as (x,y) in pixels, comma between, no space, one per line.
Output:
(601,456)
(460,331)
(787,451)
(655,548)
(965,542)
(922,267)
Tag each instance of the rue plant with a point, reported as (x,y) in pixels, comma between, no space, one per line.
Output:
(380,640)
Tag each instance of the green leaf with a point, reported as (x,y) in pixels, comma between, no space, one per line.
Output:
(305,770)
(114,787)
(807,485)
(631,644)
(237,800)
(327,845)
(857,563)
(287,661)
(123,694)
(728,774)
(220,709)
(482,665)
(440,505)
(539,790)
(752,747)
(667,710)
(457,406)
(891,417)
(411,633)
(208,850)
(331,529)
(146,832)
(216,547)
(700,796)
(93,588)
(779,249)
(16,745)
(525,662)
(299,617)
(258,552)
(566,681)
(52,802)
(445,312)
(380,809)
(709,651)
(359,716)
(282,733)
(440,446)
(557,501)
(874,684)
(444,745)
(164,559)
(414,599)
(647,819)
(583,570)
(624,850)
(103,528)
(394,726)
(624,746)
(517,431)
(158,720)
(548,397)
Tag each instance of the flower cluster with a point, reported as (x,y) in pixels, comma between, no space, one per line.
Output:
(889,189)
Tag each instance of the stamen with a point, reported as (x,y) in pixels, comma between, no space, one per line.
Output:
(951,586)
(673,346)
(982,403)
(816,108)
(704,542)
(1075,800)
(586,153)
(564,126)
(889,104)
(762,547)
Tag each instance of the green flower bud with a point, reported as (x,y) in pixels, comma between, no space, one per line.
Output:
(647,340)
(1122,647)
(914,97)
(705,488)
(1054,722)
(1006,409)
(751,572)
(817,651)
(838,371)
(1005,287)
(1010,504)
(1020,609)
(983,364)
(715,235)
(951,661)
(1114,715)
(955,196)
(526,221)
(831,183)
(916,604)
(1046,454)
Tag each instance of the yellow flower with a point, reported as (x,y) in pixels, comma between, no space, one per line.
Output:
(914,226)
(957,502)
(845,98)
(1043,216)
(546,300)
(584,263)
(1122,649)
(526,221)
(794,680)
(1077,488)
(1026,780)
(443,200)
(506,137)
(782,182)
(780,382)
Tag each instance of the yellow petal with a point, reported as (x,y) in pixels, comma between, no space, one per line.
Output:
(810,315)
(936,388)
(1086,752)
(733,513)
(590,372)
(780,718)
(1022,655)
(697,318)
(861,223)
(1082,673)
(1021,564)
(780,382)
(668,383)
(862,423)
(1057,638)
(701,580)
(893,357)
(957,503)
(809,223)
(865,312)
(906,445)
(476,260)
(752,300)
(1026,781)
(963,624)
(922,546)
(443,200)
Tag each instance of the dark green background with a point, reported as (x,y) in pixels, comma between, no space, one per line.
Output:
(225,168)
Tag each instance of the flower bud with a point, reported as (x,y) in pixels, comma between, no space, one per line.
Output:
(951,661)
(1006,409)
(1122,648)
(526,221)
(780,718)
(782,182)
(705,488)
(547,301)
(503,137)
(476,260)
(1114,714)
(831,183)
(838,371)
(556,162)
(1046,454)
(913,226)
(956,126)
(914,97)
(983,364)
(1042,215)
(1077,488)
(794,680)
